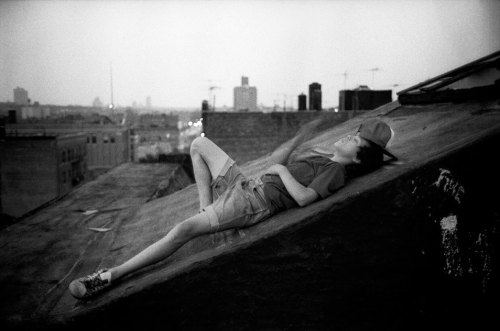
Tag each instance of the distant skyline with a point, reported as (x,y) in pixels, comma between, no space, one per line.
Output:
(173,51)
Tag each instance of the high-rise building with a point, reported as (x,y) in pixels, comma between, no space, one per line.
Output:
(302,102)
(315,96)
(245,96)
(20,96)
(97,103)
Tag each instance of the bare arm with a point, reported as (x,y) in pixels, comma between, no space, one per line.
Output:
(301,194)
(314,152)
(281,155)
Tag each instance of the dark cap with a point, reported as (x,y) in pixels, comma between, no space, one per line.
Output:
(378,133)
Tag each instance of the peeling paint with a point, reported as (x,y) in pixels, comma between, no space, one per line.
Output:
(482,251)
(449,223)
(450,185)
(475,259)
(449,242)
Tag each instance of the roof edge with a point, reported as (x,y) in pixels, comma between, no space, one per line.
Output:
(451,72)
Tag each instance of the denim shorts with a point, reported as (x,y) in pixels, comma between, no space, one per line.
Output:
(238,201)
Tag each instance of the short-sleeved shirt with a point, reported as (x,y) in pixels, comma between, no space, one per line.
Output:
(317,172)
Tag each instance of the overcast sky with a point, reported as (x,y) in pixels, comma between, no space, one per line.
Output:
(60,51)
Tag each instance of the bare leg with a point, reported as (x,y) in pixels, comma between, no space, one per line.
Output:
(208,160)
(175,238)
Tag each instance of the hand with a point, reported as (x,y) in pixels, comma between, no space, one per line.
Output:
(275,169)
(307,130)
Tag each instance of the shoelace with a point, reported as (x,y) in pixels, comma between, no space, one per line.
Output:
(93,283)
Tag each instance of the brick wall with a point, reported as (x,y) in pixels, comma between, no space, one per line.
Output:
(246,136)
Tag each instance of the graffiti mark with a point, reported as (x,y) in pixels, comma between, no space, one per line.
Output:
(449,185)
(473,259)
(485,267)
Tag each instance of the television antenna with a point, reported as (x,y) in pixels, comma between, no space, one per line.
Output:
(345,74)
(373,70)
(111,105)
(211,88)
(285,96)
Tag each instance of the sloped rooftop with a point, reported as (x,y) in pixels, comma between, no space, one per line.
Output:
(339,248)
(41,252)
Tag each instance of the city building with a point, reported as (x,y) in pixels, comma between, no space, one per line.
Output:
(10,112)
(315,96)
(302,102)
(12,116)
(35,111)
(21,96)
(363,98)
(204,105)
(106,145)
(38,169)
(97,103)
(245,96)
(154,141)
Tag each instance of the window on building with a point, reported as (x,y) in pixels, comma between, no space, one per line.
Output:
(88,139)
(64,156)
(64,176)
(105,139)
(94,139)
(112,139)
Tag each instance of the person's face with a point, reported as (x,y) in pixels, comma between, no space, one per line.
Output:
(348,147)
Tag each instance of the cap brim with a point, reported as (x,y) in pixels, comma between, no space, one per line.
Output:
(386,152)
